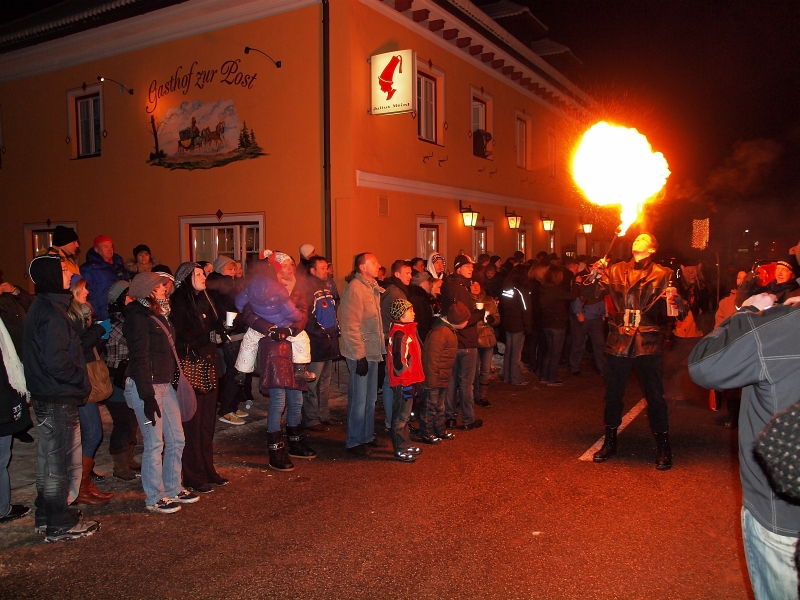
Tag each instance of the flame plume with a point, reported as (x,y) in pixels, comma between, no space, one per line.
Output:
(617,165)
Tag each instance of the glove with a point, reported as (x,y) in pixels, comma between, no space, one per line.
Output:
(151,409)
(418,390)
(107,326)
(279,333)
(362,367)
(490,319)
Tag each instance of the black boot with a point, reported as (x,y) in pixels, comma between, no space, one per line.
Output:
(664,457)
(278,457)
(609,448)
(297,447)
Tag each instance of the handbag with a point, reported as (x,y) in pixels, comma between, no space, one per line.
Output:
(99,378)
(187,401)
(200,373)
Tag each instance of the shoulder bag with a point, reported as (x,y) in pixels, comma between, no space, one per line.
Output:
(187,401)
(99,378)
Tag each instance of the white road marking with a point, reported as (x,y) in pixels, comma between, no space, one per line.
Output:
(632,414)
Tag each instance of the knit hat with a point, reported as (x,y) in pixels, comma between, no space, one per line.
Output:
(458,313)
(140,248)
(420,277)
(789,261)
(183,271)
(398,308)
(116,290)
(164,270)
(64,235)
(221,263)
(101,239)
(307,250)
(460,261)
(144,283)
(281,257)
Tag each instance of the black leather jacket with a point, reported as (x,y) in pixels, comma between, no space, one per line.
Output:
(150,355)
(638,286)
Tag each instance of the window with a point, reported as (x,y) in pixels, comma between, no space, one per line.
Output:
(426,107)
(88,121)
(551,152)
(431,235)
(522,144)
(39,237)
(481,123)
(239,237)
(85,128)
(522,242)
(482,238)
(429,239)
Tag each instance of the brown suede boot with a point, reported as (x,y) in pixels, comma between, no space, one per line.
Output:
(85,495)
(121,468)
(132,464)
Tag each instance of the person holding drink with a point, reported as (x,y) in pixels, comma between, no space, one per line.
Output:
(638,290)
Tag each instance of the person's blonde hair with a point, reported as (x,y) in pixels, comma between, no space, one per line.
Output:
(75,310)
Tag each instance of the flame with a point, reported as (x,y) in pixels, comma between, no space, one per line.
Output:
(617,165)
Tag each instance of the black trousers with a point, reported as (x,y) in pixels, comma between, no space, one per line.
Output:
(651,372)
(198,454)
(123,433)
(230,394)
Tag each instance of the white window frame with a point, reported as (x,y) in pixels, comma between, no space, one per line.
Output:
(488,117)
(489,227)
(523,147)
(527,231)
(29,228)
(73,131)
(426,220)
(187,222)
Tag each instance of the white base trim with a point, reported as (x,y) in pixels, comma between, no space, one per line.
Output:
(153,28)
(424,188)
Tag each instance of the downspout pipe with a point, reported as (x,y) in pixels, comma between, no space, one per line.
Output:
(326,127)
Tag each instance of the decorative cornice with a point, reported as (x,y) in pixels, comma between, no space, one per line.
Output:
(153,28)
(424,188)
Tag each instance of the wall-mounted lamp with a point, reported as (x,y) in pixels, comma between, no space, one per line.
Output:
(122,88)
(513,220)
(469,216)
(248,49)
(547,222)
(587,228)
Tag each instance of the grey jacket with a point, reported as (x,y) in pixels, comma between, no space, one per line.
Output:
(759,351)
(360,320)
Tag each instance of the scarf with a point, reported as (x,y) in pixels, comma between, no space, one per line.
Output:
(164,304)
(16,374)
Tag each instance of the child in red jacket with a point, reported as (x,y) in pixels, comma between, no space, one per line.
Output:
(405,375)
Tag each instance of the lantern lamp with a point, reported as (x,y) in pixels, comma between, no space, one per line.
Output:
(469,216)
(513,220)
(587,228)
(548,223)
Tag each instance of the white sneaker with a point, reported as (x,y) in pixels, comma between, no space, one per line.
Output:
(165,505)
(185,497)
(231,419)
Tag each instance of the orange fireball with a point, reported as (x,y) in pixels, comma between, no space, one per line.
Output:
(617,165)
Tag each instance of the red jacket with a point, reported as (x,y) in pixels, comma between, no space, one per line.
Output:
(405,355)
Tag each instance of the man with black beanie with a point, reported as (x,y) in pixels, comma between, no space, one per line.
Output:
(56,376)
(66,245)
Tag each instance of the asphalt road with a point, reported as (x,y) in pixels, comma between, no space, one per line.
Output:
(505,511)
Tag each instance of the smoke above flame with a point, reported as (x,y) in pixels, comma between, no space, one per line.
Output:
(617,165)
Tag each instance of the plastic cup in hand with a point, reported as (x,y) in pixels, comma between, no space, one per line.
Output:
(672,310)
(479,305)
(229,318)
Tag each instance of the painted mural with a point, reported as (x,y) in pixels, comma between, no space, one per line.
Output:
(202,135)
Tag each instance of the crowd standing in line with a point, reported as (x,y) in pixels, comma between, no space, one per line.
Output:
(419,335)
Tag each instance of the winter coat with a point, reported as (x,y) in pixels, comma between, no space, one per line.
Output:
(553,303)
(14,413)
(150,356)
(516,308)
(637,286)
(133,267)
(322,326)
(756,351)
(195,318)
(781,291)
(223,289)
(12,312)
(404,355)
(100,276)
(270,300)
(393,289)
(360,319)
(439,354)
(456,288)
(727,306)
(423,312)
(90,336)
(55,370)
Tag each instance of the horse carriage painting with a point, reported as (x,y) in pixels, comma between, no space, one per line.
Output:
(202,135)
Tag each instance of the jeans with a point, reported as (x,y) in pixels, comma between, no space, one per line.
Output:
(362,393)
(280,398)
(483,371)
(5,482)
(770,560)
(198,453)
(388,397)
(460,384)
(230,394)
(512,370)
(91,428)
(593,328)
(431,412)
(650,369)
(401,412)
(555,342)
(315,400)
(123,433)
(161,475)
(56,424)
